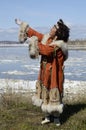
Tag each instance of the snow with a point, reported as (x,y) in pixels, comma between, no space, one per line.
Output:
(16,85)
(74,90)
(15,72)
(71,88)
(69,85)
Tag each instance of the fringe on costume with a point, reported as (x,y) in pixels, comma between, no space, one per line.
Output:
(49,100)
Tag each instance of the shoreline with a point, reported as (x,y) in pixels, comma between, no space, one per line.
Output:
(73,90)
(70,47)
(76,47)
(13,45)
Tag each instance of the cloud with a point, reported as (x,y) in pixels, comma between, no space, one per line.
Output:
(10,34)
(12,30)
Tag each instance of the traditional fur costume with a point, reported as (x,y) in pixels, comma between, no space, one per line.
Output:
(49,87)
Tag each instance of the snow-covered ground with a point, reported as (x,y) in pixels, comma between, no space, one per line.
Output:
(72,89)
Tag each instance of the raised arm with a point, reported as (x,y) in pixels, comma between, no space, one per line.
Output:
(31,32)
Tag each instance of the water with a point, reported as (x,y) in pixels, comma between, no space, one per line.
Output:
(75,66)
(16,64)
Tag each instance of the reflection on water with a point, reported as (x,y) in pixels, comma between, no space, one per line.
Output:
(16,64)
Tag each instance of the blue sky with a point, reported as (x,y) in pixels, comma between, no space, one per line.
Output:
(43,13)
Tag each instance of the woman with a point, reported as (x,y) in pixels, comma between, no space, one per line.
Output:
(53,50)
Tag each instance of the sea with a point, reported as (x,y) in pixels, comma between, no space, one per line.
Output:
(15,63)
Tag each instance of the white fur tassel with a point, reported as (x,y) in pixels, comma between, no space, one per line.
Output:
(36,101)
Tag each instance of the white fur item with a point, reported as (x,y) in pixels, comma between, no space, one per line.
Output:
(52,108)
(33,47)
(36,101)
(23,26)
(61,44)
(45,38)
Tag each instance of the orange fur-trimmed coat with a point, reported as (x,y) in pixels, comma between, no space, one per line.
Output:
(49,87)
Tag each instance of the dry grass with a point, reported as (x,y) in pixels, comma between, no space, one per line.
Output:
(18,113)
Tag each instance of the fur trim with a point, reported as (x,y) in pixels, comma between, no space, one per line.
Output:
(36,101)
(23,26)
(63,47)
(44,108)
(45,38)
(22,32)
(33,47)
(55,108)
(52,108)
